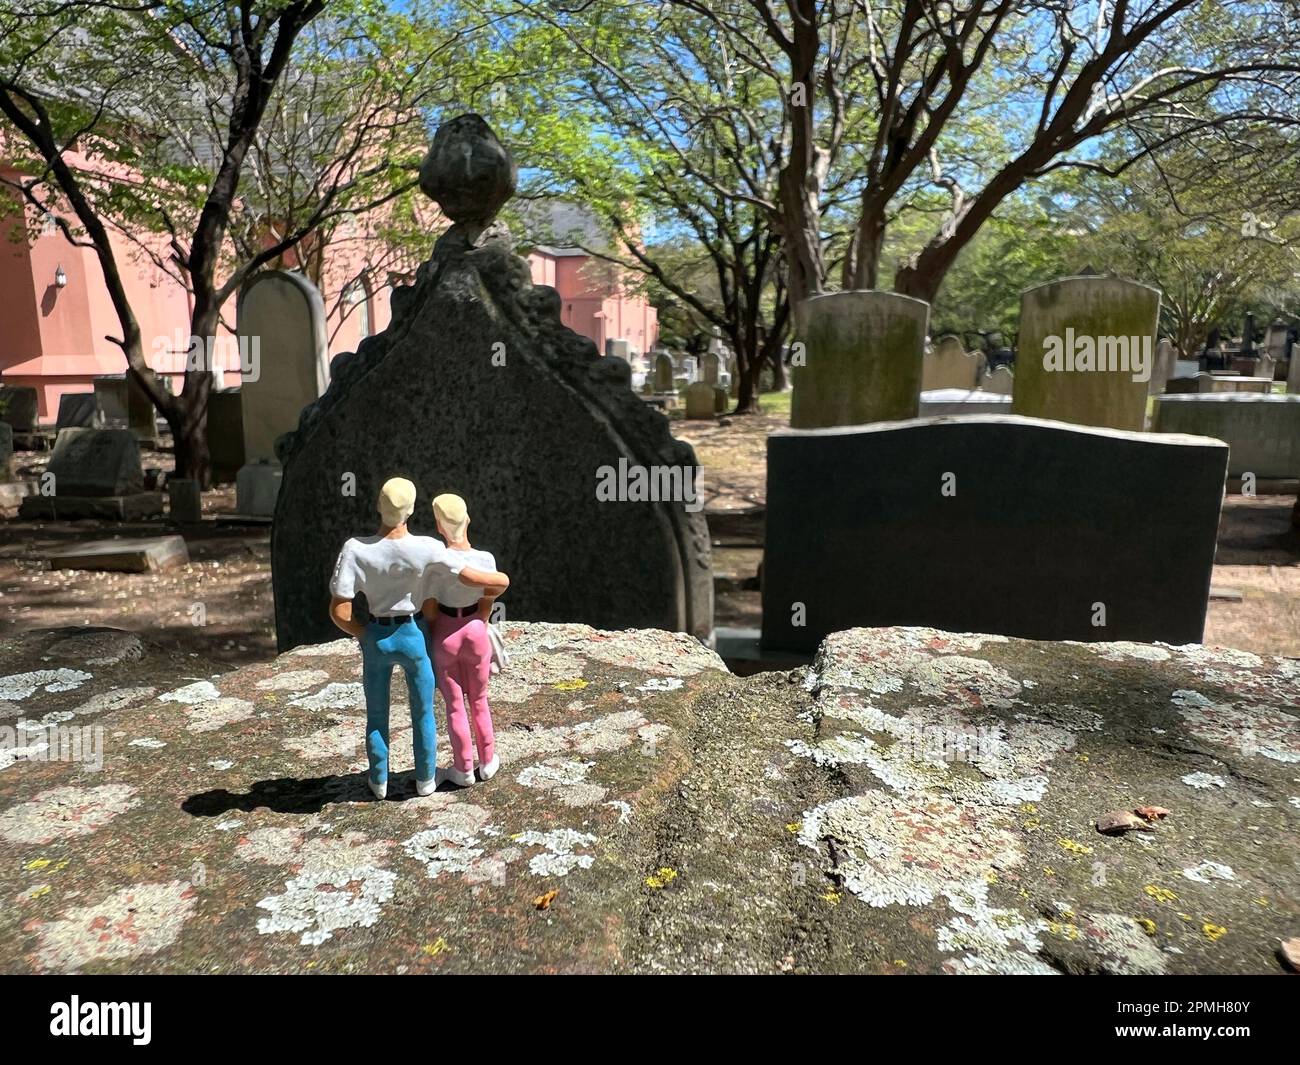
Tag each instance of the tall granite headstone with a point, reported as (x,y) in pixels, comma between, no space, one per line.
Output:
(1086,351)
(477,388)
(861,359)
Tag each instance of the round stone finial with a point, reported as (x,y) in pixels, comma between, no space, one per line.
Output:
(467,171)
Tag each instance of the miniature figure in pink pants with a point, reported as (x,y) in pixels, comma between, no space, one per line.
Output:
(460,649)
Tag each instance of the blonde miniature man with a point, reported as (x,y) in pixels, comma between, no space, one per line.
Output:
(392,568)
(459,644)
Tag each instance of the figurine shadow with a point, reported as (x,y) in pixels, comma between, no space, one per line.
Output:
(294,795)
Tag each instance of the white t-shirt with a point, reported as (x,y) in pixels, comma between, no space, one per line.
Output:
(442,585)
(393,573)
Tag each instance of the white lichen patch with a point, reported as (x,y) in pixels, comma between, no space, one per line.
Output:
(340,740)
(293,680)
(1122,650)
(967,679)
(66,812)
(320,903)
(336,696)
(136,921)
(148,742)
(661,684)
(1204,780)
(210,716)
(117,699)
(567,778)
(19,686)
(346,647)
(988,939)
(558,845)
(1208,871)
(603,735)
(273,845)
(908,850)
(1121,945)
(1247,729)
(444,850)
(645,650)
(201,691)
(221,764)
(97,648)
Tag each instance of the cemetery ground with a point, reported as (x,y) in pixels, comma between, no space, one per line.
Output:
(655,813)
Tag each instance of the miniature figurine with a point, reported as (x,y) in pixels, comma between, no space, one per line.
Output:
(392,569)
(460,645)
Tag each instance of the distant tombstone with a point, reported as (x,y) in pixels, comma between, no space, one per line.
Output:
(1000,381)
(950,366)
(1166,358)
(711,368)
(257,487)
(664,370)
(621,348)
(121,403)
(1228,382)
(225,434)
(94,473)
(1100,531)
(1274,343)
(862,359)
(280,316)
(1262,431)
(18,407)
(1087,351)
(700,400)
(721,399)
(1265,366)
(76,410)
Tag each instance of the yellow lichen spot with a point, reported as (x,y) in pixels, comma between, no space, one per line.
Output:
(1261,901)
(1147,925)
(1213,932)
(661,878)
(794,826)
(1049,871)
(1068,914)
(832,896)
(990,877)
(36,893)
(1064,929)
(1160,894)
(1028,808)
(438,946)
(1082,759)
(1024,894)
(37,863)
(574,685)
(1073,847)
(516,837)
(311,965)
(899,963)
(1185,916)
(1032,824)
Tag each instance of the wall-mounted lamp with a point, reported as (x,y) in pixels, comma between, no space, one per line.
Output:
(60,278)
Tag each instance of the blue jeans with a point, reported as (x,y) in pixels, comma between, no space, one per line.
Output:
(382,648)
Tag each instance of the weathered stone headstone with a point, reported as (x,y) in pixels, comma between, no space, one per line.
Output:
(620,348)
(1227,382)
(700,400)
(1166,358)
(1263,431)
(1265,366)
(94,473)
(76,411)
(129,556)
(949,365)
(861,361)
(225,434)
(120,403)
(664,370)
(1000,381)
(721,399)
(711,368)
(18,407)
(606,497)
(992,523)
(282,317)
(1086,351)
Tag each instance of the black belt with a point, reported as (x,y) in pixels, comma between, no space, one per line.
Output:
(397,619)
(458,611)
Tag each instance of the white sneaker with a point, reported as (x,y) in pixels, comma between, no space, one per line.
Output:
(488,770)
(380,790)
(427,787)
(457,777)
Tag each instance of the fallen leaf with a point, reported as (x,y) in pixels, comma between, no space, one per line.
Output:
(1291,952)
(1115,822)
(543,902)
(1152,813)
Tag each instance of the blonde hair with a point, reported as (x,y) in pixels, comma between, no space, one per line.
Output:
(396,501)
(450,510)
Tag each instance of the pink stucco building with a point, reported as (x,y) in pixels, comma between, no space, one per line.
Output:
(56,317)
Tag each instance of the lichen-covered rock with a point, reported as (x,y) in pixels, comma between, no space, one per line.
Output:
(916,801)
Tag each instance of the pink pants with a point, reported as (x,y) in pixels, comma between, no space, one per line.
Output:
(462,660)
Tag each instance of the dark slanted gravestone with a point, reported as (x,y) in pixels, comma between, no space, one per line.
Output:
(94,473)
(225,434)
(76,410)
(122,403)
(477,388)
(992,523)
(18,407)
